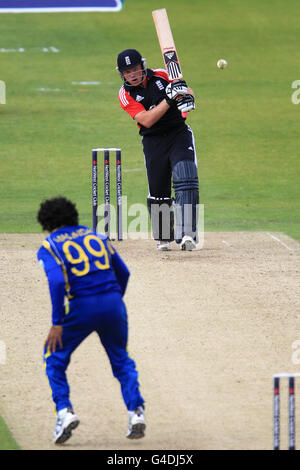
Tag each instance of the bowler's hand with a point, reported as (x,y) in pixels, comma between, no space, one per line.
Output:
(54,337)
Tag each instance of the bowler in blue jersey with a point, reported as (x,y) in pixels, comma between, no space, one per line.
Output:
(87,281)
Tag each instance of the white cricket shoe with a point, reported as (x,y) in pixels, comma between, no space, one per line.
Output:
(65,423)
(137,423)
(163,246)
(187,243)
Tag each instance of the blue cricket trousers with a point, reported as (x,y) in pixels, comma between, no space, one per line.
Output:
(105,314)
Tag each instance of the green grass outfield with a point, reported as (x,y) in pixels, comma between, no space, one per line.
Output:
(7,442)
(245,124)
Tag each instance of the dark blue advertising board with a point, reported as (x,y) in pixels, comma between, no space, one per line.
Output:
(45,6)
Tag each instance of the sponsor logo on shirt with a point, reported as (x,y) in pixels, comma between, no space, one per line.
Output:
(160,85)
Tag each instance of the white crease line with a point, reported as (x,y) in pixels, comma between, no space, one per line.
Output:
(48,89)
(280,241)
(22,49)
(84,82)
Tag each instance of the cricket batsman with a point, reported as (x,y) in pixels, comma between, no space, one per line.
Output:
(160,108)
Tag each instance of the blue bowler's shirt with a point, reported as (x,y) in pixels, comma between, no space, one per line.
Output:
(79,262)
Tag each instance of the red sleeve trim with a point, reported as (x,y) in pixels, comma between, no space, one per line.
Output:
(162,73)
(129,104)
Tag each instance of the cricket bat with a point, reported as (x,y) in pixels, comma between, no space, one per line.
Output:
(167,43)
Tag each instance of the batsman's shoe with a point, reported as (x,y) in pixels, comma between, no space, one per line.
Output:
(163,246)
(137,423)
(65,423)
(187,243)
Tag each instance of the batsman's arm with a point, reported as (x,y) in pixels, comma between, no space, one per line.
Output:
(138,112)
(150,117)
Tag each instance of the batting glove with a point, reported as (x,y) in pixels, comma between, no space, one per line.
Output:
(174,89)
(186,103)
